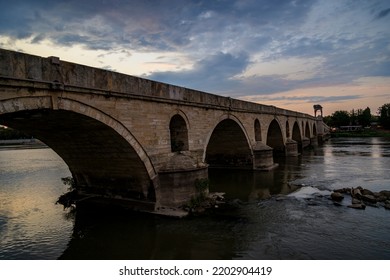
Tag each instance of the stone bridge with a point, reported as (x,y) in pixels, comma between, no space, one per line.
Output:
(138,140)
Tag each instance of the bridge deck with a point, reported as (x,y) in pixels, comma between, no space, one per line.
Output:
(61,74)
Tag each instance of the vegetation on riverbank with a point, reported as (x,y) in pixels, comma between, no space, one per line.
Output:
(361,117)
(360,123)
(7,133)
(362,133)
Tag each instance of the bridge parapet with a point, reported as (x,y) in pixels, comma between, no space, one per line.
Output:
(62,73)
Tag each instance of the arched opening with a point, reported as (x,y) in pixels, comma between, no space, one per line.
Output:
(287,130)
(228,147)
(296,136)
(314,129)
(307,130)
(101,160)
(275,138)
(179,134)
(257,130)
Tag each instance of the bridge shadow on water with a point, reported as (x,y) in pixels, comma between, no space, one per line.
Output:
(249,185)
(117,234)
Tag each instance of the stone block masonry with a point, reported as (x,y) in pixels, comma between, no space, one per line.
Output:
(131,138)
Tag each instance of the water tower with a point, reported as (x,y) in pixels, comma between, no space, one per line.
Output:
(317,107)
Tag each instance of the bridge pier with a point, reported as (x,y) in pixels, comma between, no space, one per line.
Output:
(305,142)
(179,180)
(314,141)
(263,158)
(291,148)
(322,138)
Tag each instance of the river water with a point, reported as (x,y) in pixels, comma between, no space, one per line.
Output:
(300,224)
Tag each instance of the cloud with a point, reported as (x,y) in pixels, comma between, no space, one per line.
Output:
(383,13)
(167,25)
(236,48)
(315,99)
(302,100)
(212,73)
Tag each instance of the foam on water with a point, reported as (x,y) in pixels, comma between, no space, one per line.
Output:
(308,192)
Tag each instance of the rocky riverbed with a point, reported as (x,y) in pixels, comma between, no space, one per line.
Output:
(361,197)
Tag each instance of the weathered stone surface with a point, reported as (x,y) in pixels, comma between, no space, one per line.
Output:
(367,192)
(356,201)
(343,190)
(291,147)
(115,131)
(357,206)
(179,161)
(369,198)
(356,192)
(379,197)
(385,193)
(280,197)
(336,196)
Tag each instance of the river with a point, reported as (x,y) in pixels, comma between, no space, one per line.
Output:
(300,224)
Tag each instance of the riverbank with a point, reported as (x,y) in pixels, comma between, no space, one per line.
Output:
(31,143)
(362,133)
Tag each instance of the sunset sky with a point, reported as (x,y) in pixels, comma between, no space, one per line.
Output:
(291,54)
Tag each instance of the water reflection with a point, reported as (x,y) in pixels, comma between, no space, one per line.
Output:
(30,223)
(248,185)
(356,161)
(224,234)
(33,227)
(125,235)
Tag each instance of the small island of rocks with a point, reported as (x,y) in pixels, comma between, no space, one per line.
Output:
(361,197)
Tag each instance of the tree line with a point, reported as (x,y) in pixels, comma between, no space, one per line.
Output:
(360,117)
(7,133)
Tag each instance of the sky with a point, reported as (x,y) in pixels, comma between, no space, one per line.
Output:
(288,53)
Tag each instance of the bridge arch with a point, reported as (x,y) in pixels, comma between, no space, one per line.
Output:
(275,137)
(287,129)
(307,130)
(228,145)
(297,136)
(178,133)
(257,127)
(101,153)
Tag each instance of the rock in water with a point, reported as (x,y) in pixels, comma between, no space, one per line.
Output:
(356,192)
(356,201)
(367,192)
(357,206)
(385,193)
(343,190)
(369,198)
(336,196)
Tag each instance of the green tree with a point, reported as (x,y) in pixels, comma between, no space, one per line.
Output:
(328,120)
(384,115)
(340,118)
(7,133)
(364,117)
(353,117)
